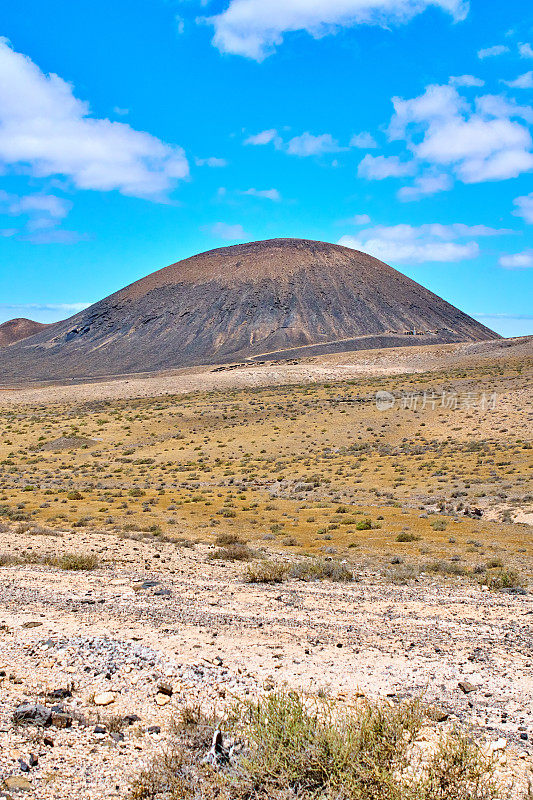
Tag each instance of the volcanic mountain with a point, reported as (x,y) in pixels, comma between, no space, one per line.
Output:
(274,299)
(16,329)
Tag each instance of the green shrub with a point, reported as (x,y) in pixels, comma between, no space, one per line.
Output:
(295,746)
(316,569)
(77,561)
(233,552)
(504,579)
(266,572)
(407,537)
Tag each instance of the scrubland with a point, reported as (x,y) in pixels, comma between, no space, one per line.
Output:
(301,535)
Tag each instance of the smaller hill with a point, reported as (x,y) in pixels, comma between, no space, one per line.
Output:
(16,329)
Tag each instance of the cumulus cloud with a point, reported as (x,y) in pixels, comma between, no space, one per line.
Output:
(309,145)
(407,244)
(522,260)
(254,28)
(42,210)
(364,141)
(47,130)
(466,80)
(264,137)
(474,143)
(227,232)
(266,194)
(495,50)
(304,145)
(524,81)
(43,213)
(379,167)
(425,185)
(525,50)
(524,207)
(211,162)
(66,307)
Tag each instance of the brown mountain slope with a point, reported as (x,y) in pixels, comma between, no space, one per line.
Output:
(16,329)
(242,302)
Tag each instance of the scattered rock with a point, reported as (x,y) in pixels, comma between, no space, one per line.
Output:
(467,687)
(165,688)
(437,714)
(32,714)
(104,698)
(162,699)
(61,720)
(17,783)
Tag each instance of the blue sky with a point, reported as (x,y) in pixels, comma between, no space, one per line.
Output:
(134,134)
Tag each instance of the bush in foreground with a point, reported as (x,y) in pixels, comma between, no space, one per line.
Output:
(287,745)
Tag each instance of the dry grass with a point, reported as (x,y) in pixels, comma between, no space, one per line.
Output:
(66,561)
(305,468)
(287,745)
(312,569)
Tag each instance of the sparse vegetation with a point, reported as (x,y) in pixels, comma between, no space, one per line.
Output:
(503,579)
(297,746)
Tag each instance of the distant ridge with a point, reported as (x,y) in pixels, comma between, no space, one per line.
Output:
(242,302)
(16,329)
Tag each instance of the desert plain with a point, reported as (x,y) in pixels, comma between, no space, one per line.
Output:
(355,527)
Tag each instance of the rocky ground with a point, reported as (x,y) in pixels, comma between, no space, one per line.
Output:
(158,626)
(138,480)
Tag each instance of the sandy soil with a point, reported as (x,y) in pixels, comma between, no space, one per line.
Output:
(342,366)
(199,627)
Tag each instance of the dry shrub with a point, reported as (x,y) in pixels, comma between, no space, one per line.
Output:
(225,539)
(293,746)
(233,552)
(266,572)
(313,569)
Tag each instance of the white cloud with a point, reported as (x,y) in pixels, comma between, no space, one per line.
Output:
(495,50)
(54,236)
(304,145)
(525,50)
(309,145)
(524,207)
(441,128)
(406,244)
(524,81)
(267,194)
(45,128)
(379,167)
(227,232)
(43,213)
(466,80)
(41,205)
(517,260)
(425,185)
(360,219)
(74,307)
(264,137)
(40,312)
(412,252)
(364,141)
(254,28)
(212,161)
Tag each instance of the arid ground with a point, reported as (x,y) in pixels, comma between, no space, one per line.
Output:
(139,516)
